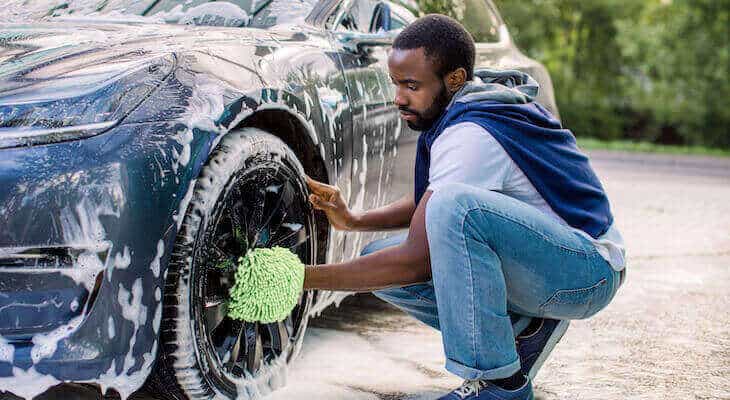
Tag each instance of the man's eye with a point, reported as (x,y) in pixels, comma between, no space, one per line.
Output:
(412,87)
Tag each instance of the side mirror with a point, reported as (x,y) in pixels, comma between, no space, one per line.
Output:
(381,18)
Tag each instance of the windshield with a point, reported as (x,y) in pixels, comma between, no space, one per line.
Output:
(251,13)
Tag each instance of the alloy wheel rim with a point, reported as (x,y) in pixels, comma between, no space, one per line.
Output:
(262,207)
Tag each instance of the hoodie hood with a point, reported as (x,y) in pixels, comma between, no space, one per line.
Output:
(509,92)
(509,87)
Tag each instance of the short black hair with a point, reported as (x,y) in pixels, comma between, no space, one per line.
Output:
(443,39)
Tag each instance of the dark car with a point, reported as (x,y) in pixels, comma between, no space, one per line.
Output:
(139,158)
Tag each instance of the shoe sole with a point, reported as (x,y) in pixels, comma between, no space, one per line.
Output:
(549,346)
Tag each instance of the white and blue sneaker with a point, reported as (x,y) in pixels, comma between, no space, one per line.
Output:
(485,390)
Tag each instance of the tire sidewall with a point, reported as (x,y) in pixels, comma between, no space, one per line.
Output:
(237,154)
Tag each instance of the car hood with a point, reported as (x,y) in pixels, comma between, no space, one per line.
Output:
(35,53)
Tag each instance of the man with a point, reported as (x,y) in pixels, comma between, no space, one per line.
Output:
(510,232)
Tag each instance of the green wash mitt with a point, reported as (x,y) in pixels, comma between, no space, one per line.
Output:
(267,285)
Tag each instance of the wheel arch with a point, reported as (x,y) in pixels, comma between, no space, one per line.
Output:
(296,133)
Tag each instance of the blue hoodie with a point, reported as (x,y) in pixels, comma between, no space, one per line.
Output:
(502,103)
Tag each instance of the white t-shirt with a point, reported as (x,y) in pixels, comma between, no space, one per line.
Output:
(467,153)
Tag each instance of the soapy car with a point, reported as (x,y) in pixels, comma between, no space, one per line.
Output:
(145,143)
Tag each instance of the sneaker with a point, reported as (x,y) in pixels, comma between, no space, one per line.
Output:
(485,390)
(535,348)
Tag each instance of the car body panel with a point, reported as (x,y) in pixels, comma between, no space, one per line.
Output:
(117,198)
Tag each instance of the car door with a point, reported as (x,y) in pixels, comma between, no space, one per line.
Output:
(363,39)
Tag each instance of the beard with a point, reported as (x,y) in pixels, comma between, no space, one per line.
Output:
(426,119)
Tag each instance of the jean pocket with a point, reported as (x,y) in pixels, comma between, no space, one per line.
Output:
(573,303)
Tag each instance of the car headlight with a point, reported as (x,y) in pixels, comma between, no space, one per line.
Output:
(77,105)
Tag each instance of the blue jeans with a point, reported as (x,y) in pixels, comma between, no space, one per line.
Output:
(496,262)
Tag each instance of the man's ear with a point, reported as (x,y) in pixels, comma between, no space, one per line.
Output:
(455,80)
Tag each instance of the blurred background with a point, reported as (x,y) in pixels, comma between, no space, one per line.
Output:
(648,75)
(626,71)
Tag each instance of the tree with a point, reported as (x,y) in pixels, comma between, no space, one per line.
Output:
(653,70)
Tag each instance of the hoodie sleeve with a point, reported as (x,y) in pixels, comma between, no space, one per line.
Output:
(467,153)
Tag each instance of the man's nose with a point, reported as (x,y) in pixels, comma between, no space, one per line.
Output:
(400,99)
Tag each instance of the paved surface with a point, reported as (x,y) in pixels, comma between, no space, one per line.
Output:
(665,336)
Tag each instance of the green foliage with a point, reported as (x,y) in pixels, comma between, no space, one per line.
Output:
(589,144)
(652,70)
(679,54)
(576,41)
(437,6)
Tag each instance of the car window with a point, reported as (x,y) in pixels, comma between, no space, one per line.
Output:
(358,16)
(28,10)
(249,6)
(253,13)
(479,19)
(396,22)
(278,12)
(262,13)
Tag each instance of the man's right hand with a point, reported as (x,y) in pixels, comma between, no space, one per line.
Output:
(329,199)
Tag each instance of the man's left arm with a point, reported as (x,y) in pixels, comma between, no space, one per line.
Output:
(400,265)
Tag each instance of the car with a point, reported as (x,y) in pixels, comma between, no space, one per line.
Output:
(146,144)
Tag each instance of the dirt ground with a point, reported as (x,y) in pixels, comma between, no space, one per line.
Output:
(665,336)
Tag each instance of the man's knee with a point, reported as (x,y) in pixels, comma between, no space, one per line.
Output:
(369,248)
(448,200)
(457,194)
(446,207)
(396,296)
(380,244)
(383,294)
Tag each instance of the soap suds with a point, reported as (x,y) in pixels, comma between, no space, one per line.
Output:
(82,229)
(74,305)
(155,264)
(133,311)
(123,259)
(84,271)
(381,154)
(27,383)
(110,328)
(183,207)
(45,344)
(81,225)
(7,350)
(127,382)
(292,227)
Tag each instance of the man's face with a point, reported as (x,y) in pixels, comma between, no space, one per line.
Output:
(420,94)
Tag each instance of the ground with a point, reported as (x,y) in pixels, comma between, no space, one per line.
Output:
(665,336)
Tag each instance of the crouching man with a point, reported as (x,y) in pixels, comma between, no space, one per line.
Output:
(510,231)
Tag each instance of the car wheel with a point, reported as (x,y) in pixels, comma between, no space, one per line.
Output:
(250,194)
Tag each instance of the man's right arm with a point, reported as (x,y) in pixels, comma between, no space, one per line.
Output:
(396,215)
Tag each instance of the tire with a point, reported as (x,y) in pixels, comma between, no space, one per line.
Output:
(252,180)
